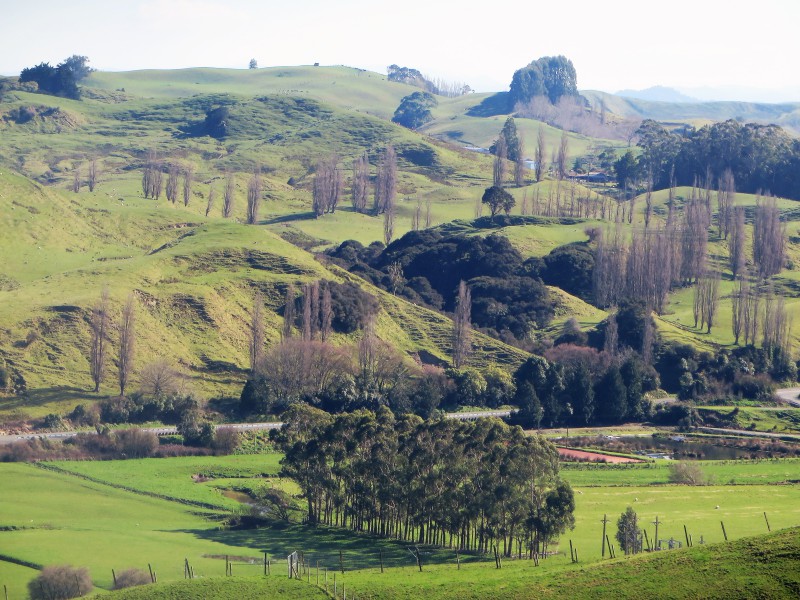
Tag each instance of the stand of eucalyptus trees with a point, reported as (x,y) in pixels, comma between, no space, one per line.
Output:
(465,485)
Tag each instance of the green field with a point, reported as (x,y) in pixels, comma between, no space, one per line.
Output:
(740,472)
(46,515)
(172,477)
(718,571)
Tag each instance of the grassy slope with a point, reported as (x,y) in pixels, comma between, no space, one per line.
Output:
(247,588)
(785,113)
(104,237)
(754,567)
(723,472)
(599,490)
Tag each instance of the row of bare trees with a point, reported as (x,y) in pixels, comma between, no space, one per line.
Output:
(100,327)
(92,177)
(754,308)
(571,114)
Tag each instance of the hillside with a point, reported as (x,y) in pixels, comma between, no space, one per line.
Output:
(762,567)
(785,114)
(194,280)
(194,274)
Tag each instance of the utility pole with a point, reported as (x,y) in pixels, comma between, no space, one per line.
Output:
(656,523)
(603,545)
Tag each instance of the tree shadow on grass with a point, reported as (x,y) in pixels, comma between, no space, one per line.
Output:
(323,544)
(42,396)
(306,216)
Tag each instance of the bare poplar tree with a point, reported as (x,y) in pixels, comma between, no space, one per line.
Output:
(738,308)
(499,165)
(707,300)
(94,174)
(76,179)
(158,182)
(253,197)
(327,186)
(127,341)
(769,238)
(726,196)
(519,164)
(539,155)
(736,245)
(388,223)
(227,200)
(360,191)
(257,335)
(416,216)
(315,309)
(99,328)
(562,157)
(289,312)
(172,184)
(188,180)
(326,313)
(148,175)
(428,216)
(750,312)
(386,181)
(210,203)
(307,316)
(462,326)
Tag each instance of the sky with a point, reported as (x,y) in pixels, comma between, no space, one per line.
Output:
(710,49)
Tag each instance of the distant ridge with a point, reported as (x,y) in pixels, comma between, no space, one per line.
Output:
(658,93)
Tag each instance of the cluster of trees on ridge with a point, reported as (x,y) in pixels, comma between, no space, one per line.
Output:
(761,158)
(61,80)
(463,485)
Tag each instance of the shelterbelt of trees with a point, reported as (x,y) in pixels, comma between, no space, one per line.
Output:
(467,485)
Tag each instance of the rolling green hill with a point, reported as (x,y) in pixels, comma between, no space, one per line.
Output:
(194,275)
(786,114)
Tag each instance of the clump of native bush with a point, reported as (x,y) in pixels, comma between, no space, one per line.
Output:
(60,582)
(131,578)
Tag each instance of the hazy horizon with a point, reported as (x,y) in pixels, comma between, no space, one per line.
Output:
(700,50)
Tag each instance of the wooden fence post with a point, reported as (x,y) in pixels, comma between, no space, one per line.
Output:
(571,552)
(381,558)
(767,520)
(114,575)
(152,575)
(723,530)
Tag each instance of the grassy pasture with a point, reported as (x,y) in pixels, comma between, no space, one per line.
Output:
(222,588)
(719,570)
(172,477)
(756,472)
(753,567)
(57,512)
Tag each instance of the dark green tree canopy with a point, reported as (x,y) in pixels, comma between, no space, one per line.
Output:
(628,169)
(551,76)
(509,132)
(61,80)
(415,110)
(406,75)
(498,199)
